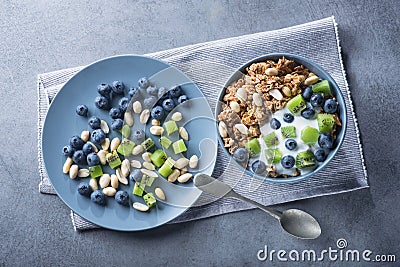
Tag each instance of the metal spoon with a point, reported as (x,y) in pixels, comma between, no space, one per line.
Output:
(296,222)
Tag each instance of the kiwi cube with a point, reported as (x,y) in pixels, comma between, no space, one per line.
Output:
(305,159)
(322,87)
(126,147)
(253,146)
(126,131)
(148,144)
(95,171)
(149,199)
(296,104)
(325,122)
(179,146)
(288,132)
(273,155)
(165,170)
(309,135)
(170,127)
(169,162)
(113,159)
(138,189)
(165,142)
(158,157)
(271,139)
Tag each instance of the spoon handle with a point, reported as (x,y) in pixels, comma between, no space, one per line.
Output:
(273,212)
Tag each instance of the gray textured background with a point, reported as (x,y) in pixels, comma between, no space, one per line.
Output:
(41,36)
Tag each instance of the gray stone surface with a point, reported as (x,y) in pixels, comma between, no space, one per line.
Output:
(40,36)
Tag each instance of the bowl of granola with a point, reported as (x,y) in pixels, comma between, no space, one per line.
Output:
(281,118)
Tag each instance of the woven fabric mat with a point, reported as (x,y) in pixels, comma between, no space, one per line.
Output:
(214,61)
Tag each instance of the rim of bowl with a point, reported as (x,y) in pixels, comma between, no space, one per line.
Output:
(317,69)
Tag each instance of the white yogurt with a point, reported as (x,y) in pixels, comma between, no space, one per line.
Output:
(299,122)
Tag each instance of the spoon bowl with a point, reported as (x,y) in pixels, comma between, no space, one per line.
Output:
(300,224)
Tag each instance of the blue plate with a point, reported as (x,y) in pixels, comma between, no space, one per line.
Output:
(62,122)
(321,73)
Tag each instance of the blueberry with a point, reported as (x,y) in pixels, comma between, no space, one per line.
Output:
(258,167)
(98,197)
(291,144)
(134,93)
(84,189)
(87,148)
(98,136)
(143,82)
(287,162)
(308,113)
(92,159)
(288,117)
(117,124)
(104,89)
(317,100)
(175,92)
(123,104)
(275,124)
(330,106)
(168,104)
(102,102)
(157,113)
(82,110)
(118,87)
(76,142)
(116,113)
(138,136)
(68,151)
(149,102)
(122,198)
(241,155)
(325,140)
(307,93)
(320,155)
(94,123)
(136,176)
(182,99)
(152,90)
(79,157)
(162,93)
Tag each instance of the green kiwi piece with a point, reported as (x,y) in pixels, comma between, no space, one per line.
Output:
(296,104)
(95,171)
(138,189)
(165,142)
(322,87)
(158,157)
(253,146)
(170,127)
(149,199)
(113,159)
(273,155)
(288,132)
(126,147)
(165,170)
(309,135)
(305,159)
(325,122)
(148,144)
(126,131)
(179,146)
(271,139)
